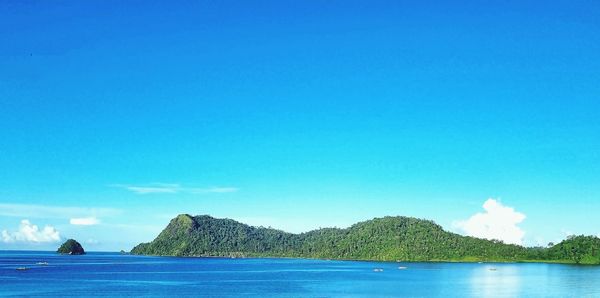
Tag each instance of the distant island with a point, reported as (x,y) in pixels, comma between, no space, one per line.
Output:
(71,247)
(381,239)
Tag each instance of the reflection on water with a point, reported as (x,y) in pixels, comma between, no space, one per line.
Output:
(493,280)
(124,275)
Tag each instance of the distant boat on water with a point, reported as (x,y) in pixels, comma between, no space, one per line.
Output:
(42,263)
(23,268)
(378,270)
(402,267)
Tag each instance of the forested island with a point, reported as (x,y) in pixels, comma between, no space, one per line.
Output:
(380,239)
(71,247)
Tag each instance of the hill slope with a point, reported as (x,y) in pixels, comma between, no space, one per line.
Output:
(71,247)
(576,249)
(382,239)
(388,238)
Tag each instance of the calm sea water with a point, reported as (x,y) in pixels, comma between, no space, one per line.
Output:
(110,274)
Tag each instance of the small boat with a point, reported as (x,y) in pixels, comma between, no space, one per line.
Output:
(402,267)
(492,269)
(378,270)
(42,263)
(22,268)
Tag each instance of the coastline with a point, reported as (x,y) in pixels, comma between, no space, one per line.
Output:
(465,261)
(458,261)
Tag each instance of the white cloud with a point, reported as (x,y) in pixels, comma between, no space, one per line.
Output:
(152,188)
(84,221)
(171,188)
(43,211)
(31,233)
(146,190)
(498,222)
(92,241)
(213,190)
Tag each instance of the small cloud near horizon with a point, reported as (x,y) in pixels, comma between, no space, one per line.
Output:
(84,221)
(498,222)
(172,188)
(92,241)
(30,233)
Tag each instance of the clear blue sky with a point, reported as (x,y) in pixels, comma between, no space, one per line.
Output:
(296,114)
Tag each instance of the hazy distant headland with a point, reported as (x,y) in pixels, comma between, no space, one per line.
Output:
(380,239)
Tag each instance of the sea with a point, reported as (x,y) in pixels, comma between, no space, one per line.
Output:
(121,275)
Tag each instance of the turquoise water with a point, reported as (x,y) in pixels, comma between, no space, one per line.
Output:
(111,274)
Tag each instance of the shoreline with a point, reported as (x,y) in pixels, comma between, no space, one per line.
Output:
(561,262)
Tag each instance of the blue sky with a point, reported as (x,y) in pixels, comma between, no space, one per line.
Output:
(118,116)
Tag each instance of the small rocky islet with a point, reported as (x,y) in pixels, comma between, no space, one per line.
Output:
(71,247)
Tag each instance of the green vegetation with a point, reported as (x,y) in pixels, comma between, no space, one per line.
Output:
(71,247)
(382,239)
(576,249)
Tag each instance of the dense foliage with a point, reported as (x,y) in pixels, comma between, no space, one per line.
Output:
(385,239)
(576,249)
(71,247)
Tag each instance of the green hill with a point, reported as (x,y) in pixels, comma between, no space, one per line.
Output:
(576,249)
(71,247)
(383,239)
